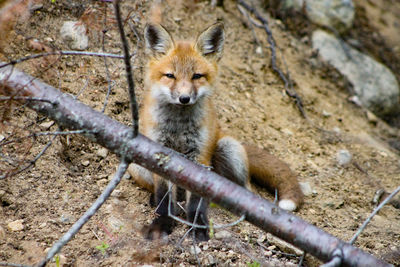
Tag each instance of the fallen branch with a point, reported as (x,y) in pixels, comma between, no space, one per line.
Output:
(74,115)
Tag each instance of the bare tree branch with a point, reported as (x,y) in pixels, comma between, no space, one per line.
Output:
(117,138)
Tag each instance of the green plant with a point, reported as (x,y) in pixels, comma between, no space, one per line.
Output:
(253,264)
(211,225)
(103,247)
(57,259)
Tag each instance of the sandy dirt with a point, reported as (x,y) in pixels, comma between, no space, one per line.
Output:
(252,106)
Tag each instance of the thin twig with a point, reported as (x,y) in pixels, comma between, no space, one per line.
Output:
(242,218)
(128,70)
(62,53)
(43,134)
(32,162)
(302,259)
(373,214)
(288,84)
(88,214)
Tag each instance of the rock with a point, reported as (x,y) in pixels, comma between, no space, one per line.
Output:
(46,125)
(336,14)
(296,5)
(2,137)
(102,152)
(115,223)
(306,189)
(326,114)
(74,35)
(343,157)
(267,253)
(374,84)
(371,117)
(66,218)
(16,226)
(116,193)
(85,163)
(195,250)
(222,234)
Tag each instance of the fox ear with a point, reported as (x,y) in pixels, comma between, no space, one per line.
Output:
(158,40)
(211,41)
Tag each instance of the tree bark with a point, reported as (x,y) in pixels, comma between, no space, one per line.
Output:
(116,137)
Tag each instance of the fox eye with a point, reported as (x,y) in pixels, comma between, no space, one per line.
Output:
(197,76)
(169,75)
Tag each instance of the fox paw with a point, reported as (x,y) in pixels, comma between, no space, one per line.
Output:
(159,229)
(287,204)
(201,235)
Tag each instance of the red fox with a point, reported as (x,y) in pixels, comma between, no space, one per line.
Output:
(178,113)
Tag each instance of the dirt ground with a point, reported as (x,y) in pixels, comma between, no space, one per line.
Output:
(252,106)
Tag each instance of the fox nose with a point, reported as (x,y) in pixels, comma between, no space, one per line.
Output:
(184,99)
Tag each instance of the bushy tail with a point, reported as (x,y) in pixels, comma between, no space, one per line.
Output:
(271,172)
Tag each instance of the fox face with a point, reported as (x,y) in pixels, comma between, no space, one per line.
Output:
(182,73)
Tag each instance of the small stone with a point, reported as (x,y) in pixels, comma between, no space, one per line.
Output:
(195,250)
(261,238)
(336,130)
(306,189)
(46,125)
(48,39)
(2,137)
(102,182)
(16,226)
(271,247)
(343,157)
(267,253)
(371,117)
(36,7)
(259,50)
(42,225)
(355,100)
(116,193)
(66,219)
(287,131)
(205,247)
(74,35)
(326,114)
(115,223)
(222,234)
(85,163)
(102,152)
(211,260)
